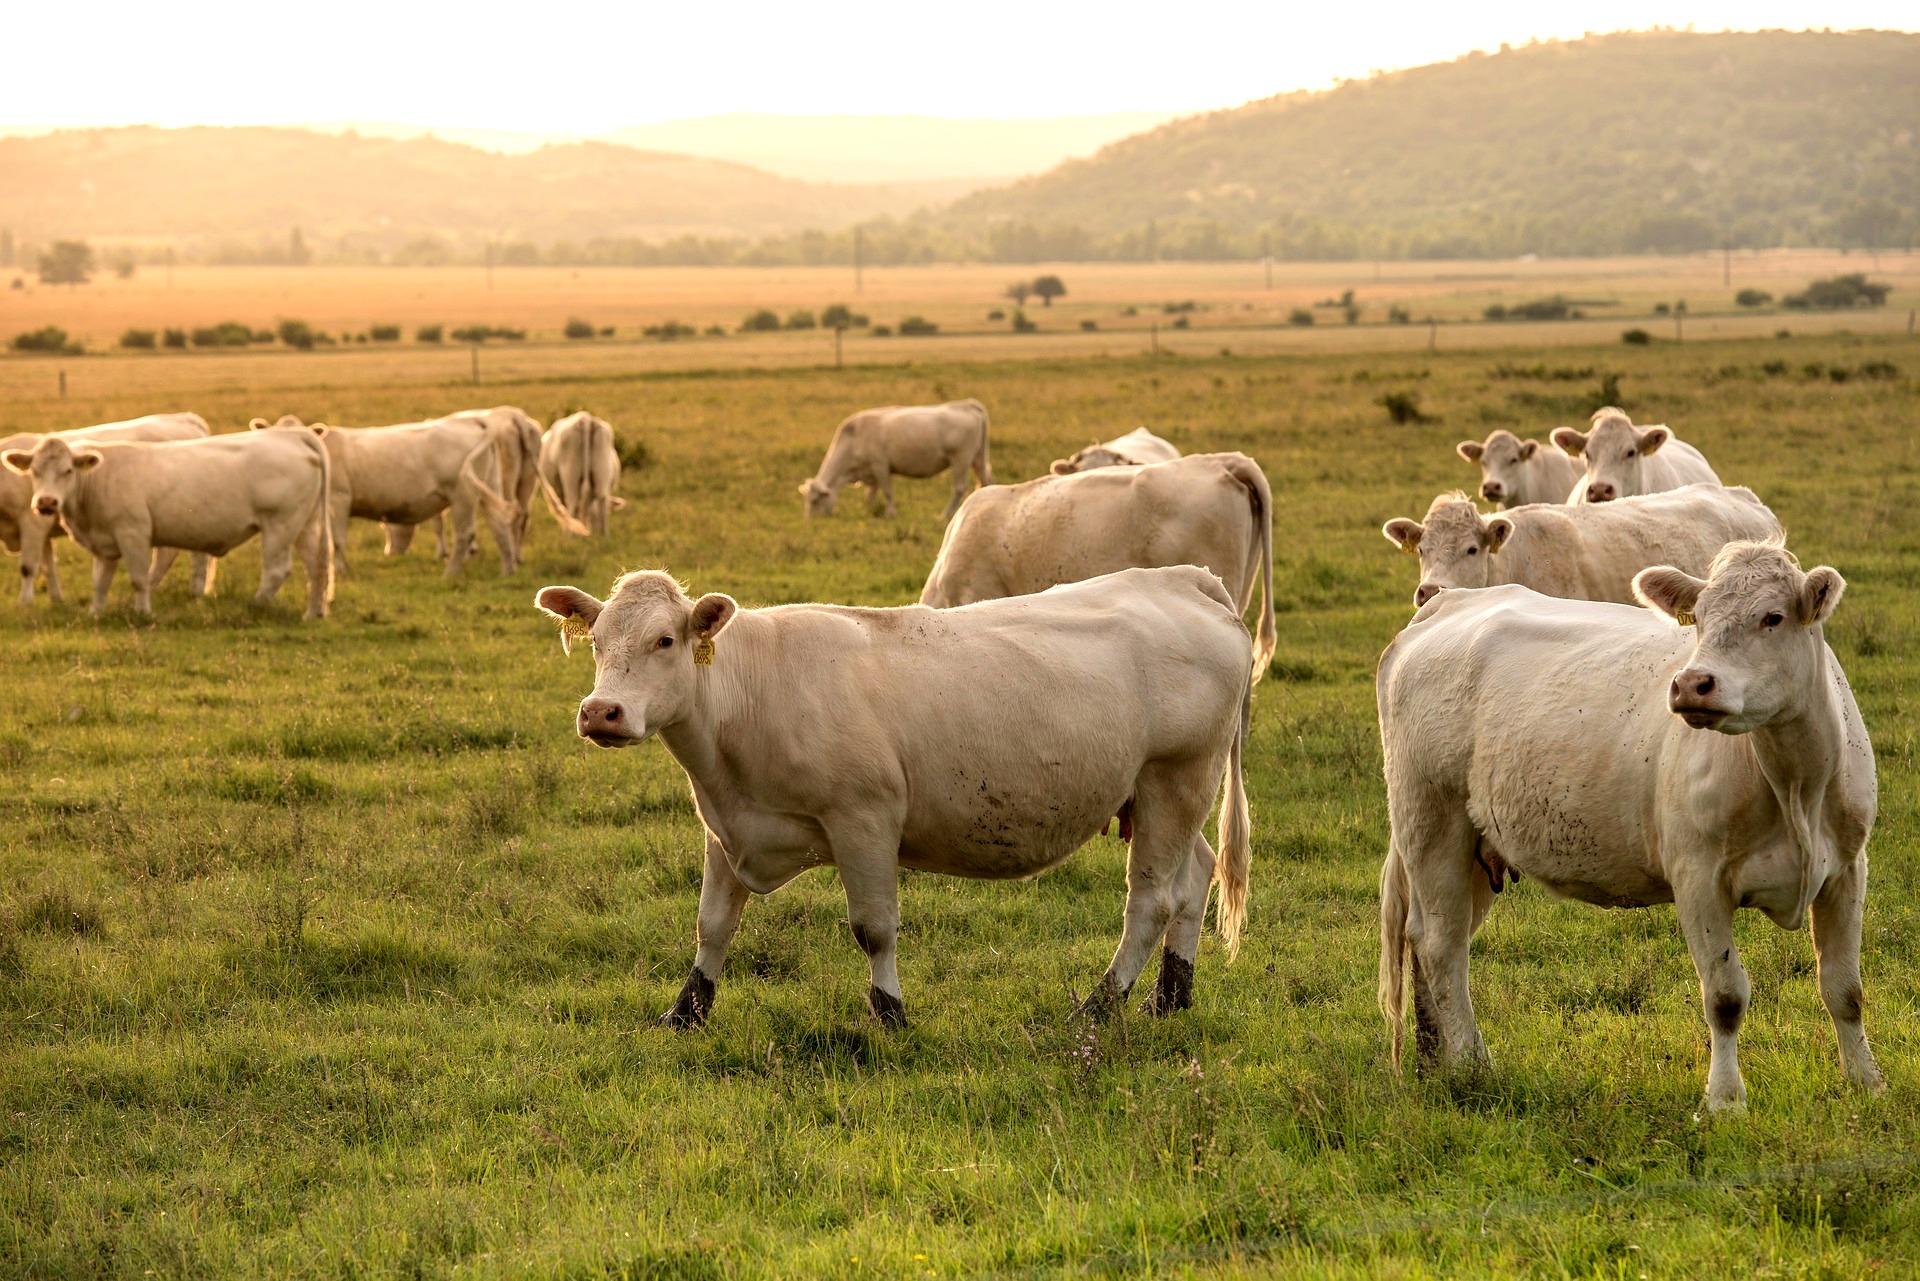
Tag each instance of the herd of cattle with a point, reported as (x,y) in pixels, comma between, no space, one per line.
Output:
(1079,655)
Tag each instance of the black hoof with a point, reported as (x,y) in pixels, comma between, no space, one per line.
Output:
(693,1004)
(1174,990)
(888,1008)
(1103,1000)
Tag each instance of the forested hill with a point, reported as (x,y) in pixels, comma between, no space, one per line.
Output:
(1663,141)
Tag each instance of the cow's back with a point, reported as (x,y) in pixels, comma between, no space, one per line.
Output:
(1678,464)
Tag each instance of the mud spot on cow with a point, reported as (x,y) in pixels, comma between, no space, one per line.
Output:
(1727,1012)
(1174,989)
(690,1009)
(1851,1002)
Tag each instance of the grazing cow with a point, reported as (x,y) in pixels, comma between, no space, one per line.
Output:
(1588,552)
(1213,510)
(874,446)
(31,534)
(121,500)
(516,442)
(1624,761)
(407,474)
(989,741)
(579,472)
(1622,460)
(1137,448)
(1515,472)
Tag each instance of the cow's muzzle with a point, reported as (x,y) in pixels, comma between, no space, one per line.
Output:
(1600,492)
(1493,492)
(1424,593)
(48,506)
(604,722)
(1692,697)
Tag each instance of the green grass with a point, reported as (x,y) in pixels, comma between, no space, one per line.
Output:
(327,950)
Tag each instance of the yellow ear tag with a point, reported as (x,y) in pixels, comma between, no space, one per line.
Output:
(1411,549)
(573,628)
(1684,617)
(703,651)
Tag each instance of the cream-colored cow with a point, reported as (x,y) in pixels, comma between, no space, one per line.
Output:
(580,472)
(989,741)
(31,534)
(516,443)
(1137,448)
(120,500)
(872,447)
(1584,552)
(1622,460)
(1214,510)
(1704,752)
(1515,472)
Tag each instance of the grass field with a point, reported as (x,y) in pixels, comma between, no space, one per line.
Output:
(329,951)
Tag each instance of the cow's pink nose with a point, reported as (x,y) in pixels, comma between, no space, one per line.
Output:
(600,716)
(47,506)
(1599,493)
(1424,593)
(1492,492)
(1690,685)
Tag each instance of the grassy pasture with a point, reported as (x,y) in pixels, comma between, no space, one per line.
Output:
(328,950)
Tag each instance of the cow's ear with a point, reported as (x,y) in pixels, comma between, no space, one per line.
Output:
(617,503)
(19,460)
(86,459)
(1669,590)
(1528,448)
(1819,594)
(1403,533)
(711,613)
(1062,467)
(1570,441)
(806,489)
(1499,530)
(575,609)
(1471,450)
(1652,438)
(318,429)
(258,424)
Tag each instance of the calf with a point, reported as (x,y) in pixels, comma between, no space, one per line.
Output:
(873,447)
(1717,764)
(1134,449)
(989,741)
(1622,460)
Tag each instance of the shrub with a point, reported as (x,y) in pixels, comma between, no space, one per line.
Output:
(882,331)
(578,328)
(802,319)
(428,333)
(385,333)
(996,314)
(1496,312)
(298,334)
(669,330)
(1636,337)
(138,339)
(837,316)
(1402,406)
(716,331)
(1181,322)
(263,335)
(917,327)
(229,333)
(174,338)
(763,321)
(52,339)
(1662,309)
(1398,315)
(1299,316)
(1879,370)
(1554,308)
(1753,298)
(480,333)
(1089,325)
(1020,323)
(1851,290)
(606,331)
(1175,308)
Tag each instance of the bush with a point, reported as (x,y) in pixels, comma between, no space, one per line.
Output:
(1636,337)
(1554,308)
(882,331)
(837,316)
(1662,309)
(917,327)
(996,314)
(716,331)
(297,334)
(669,330)
(138,339)
(1753,298)
(802,319)
(1402,406)
(480,333)
(174,338)
(763,321)
(1020,323)
(428,333)
(606,331)
(263,335)
(1089,325)
(1398,315)
(385,333)
(1299,316)
(230,333)
(52,339)
(1851,290)
(578,328)
(1181,322)
(1175,308)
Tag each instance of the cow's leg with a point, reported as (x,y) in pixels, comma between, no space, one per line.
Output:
(26,578)
(163,558)
(881,491)
(866,851)
(1706,918)
(311,546)
(103,571)
(137,552)
(462,541)
(399,537)
(959,492)
(1174,990)
(1836,948)
(440,547)
(205,570)
(1438,841)
(722,899)
(339,514)
(41,542)
(276,562)
(1169,804)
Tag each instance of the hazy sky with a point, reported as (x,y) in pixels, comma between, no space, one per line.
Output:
(589,67)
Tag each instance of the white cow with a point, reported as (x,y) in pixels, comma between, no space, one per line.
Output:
(121,500)
(1515,472)
(989,741)
(1585,552)
(1134,449)
(31,534)
(1622,760)
(579,472)
(874,446)
(1213,510)
(1622,460)
(516,443)
(410,473)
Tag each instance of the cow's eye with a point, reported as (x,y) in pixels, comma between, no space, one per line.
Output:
(1473,551)
(665,642)
(1774,619)
(1630,453)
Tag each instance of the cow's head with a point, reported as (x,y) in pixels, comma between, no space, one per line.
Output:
(1758,646)
(55,468)
(1613,451)
(817,497)
(647,645)
(1500,457)
(1089,458)
(1455,544)
(288,422)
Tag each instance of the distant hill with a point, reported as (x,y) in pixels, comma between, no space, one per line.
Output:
(1662,141)
(234,189)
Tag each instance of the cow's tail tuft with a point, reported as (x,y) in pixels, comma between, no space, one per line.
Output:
(982,465)
(1396,904)
(1236,835)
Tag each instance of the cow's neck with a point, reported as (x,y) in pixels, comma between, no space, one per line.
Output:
(720,699)
(1800,754)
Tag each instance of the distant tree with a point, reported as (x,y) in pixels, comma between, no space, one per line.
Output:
(175,339)
(1020,291)
(763,321)
(296,333)
(1850,290)
(51,340)
(385,333)
(138,339)
(840,316)
(1636,337)
(1398,315)
(429,333)
(578,328)
(1872,223)
(802,319)
(917,327)
(124,266)
(1048,288)
(1753,298)
(1298,316)
(69,262)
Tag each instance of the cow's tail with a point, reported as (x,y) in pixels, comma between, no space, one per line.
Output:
(982,465)
(1236,835)
(1260,496)
(1396,905)
(557,503)
(323,512)
(498,505)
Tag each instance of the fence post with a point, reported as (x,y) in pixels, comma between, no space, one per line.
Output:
(63,384)
(475,350)
(1433,334)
